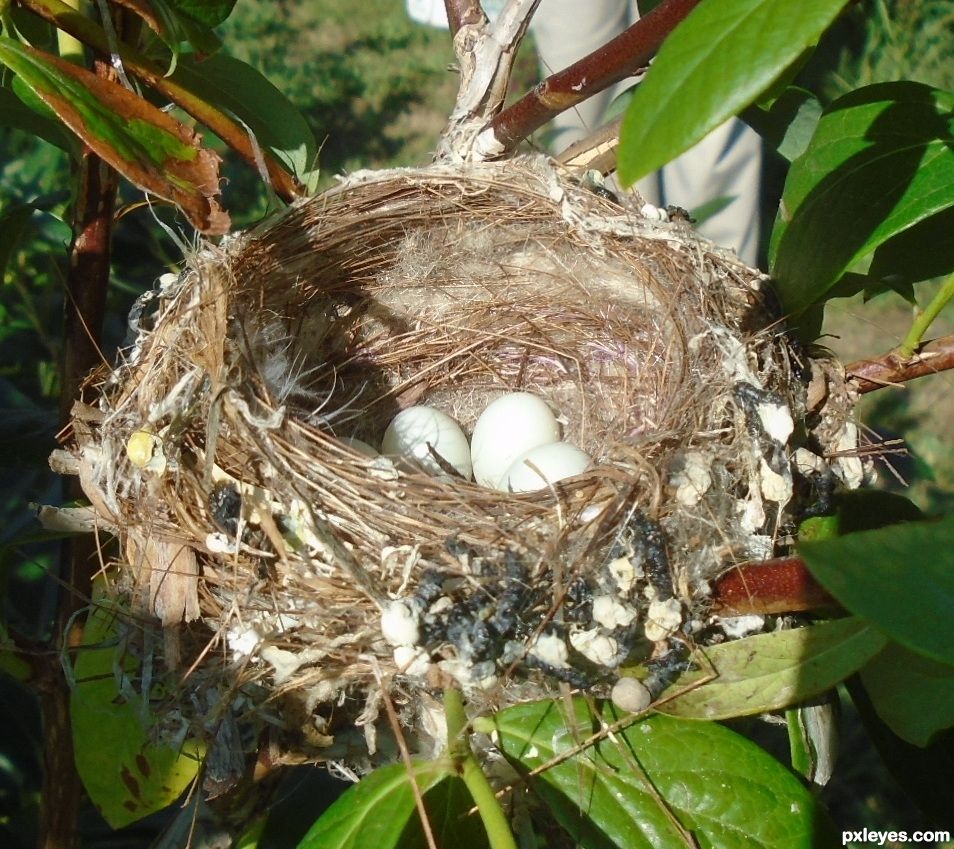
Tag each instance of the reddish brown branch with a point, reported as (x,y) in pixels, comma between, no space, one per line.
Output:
(463,13)
(890,369)
(622,57)
(782,585)
(85,305)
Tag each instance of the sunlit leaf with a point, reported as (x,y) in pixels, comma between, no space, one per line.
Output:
(881,161)
(912,694)
(722,788)
(379,811)
(772,671)
(126,773)
(242,92)
(149,147)
(715,63)
(898,578)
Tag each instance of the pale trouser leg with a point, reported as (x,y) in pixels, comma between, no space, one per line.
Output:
(727,163)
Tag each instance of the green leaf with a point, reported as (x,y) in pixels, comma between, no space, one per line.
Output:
(125,772)
(788,123)
(912,694)
(175,28)
(880,161)
(715,63)
(377,810)
(243,93)
(722,788)
(899,578)
(149,147)
(772,671)
(209,12)
(924,773)
(19,115)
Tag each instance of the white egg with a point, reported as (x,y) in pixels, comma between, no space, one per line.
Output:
(360,446)
(508,428)
(545,465)
(417,431)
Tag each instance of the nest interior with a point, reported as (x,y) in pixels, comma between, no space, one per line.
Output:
(287,567)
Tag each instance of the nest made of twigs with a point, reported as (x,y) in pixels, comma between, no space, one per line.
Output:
(270,549)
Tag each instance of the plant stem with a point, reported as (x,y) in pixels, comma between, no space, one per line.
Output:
(891,369)
(495,822)
(232,133)
(462,13)
(924,321)
(622,57)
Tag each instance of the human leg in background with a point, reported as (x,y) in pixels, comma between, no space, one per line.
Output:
(726,164)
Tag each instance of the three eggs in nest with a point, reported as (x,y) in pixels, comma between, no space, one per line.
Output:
(515,446)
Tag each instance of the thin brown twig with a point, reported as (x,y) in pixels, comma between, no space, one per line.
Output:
(891,369)
(622,57)
(395,723)
(86,286)
(462,13)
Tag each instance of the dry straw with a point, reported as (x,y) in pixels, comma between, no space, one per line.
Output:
(269,550)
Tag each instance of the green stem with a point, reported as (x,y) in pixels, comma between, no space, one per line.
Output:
(458,746)
(926,318)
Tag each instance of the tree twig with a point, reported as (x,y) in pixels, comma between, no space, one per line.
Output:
(87,283)
(622,57)
(485,53)
(461,13)
(891,369)
(780,585)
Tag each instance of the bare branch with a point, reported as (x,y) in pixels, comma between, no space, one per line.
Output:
(782,585)
(597,151)
(624,56)
(461,13)
(485,53)
(891,369)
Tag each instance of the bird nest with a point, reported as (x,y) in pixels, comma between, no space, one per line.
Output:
(299,581)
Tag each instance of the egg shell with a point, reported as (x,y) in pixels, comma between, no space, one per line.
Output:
(360,446)
(414,431)
(545,465)
(509,427)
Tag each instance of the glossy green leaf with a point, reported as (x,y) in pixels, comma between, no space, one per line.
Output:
(18,115)
(788,123)
(722,788)
(209,12)
(880,161)
(924,773)
(899,578)
(127,774)
(913,695)
(242,92)
(860,510)
(715,63)
(379,811)
(176,28)
(149,147)
(772,671)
